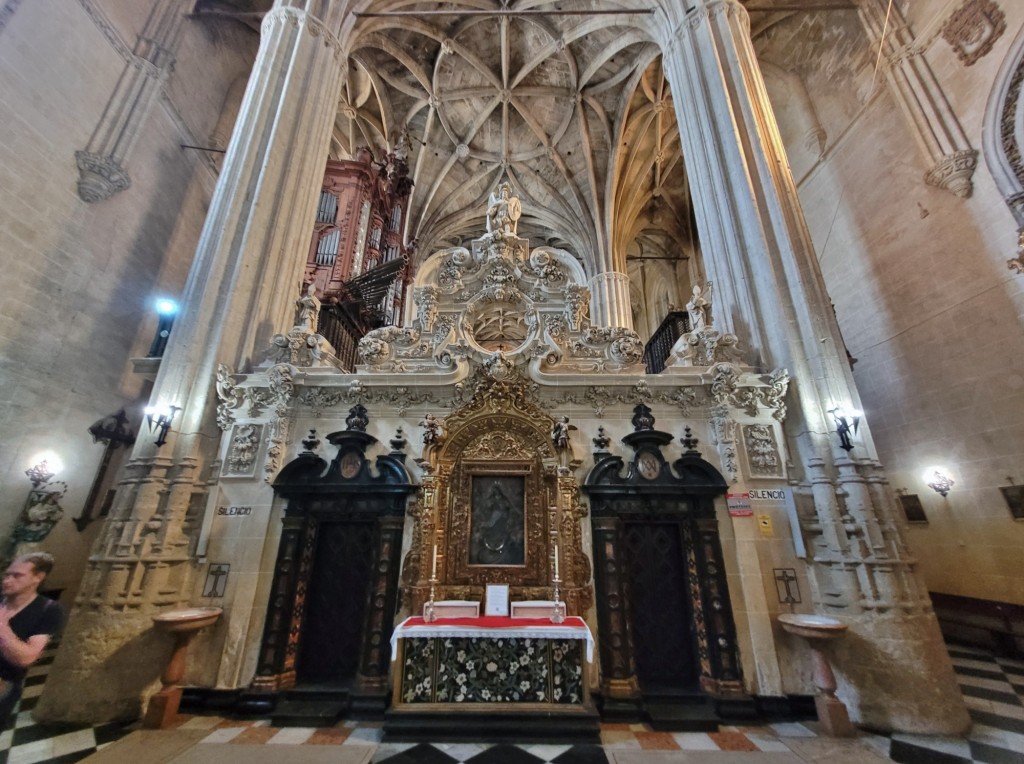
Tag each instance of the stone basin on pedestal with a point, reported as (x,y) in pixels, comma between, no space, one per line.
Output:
(818,629)
(183,624)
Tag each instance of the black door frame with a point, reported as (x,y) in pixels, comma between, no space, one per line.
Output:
(346,489)
(648,486)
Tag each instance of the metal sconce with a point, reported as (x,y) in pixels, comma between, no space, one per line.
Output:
(846,422)
(161,420)
(936,479)
(42,509)
(166,310)
(40,473)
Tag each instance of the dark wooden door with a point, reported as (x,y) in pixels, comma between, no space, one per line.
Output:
(339,591)
(666,661)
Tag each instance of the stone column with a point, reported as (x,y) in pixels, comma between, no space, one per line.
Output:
(943,142)
(770,292)
(609,300)
(241,290)
(101,166)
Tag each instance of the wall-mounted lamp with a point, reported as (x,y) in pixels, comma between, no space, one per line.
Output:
(160,419)
(45,466)
(166,310)
(937,479)
(846,422)
(42,509)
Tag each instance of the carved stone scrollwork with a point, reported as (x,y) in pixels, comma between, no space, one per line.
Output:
(300,348)
(231,397)
(245,441)
(774,397)
(705,347)
(382,349)
(426,302)
(545,269)
(281,380)
(577,298)
(724,428)
(611,347)
(762,450)
(318,399)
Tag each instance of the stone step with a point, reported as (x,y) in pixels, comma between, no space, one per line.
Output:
(318,712)
(683,714)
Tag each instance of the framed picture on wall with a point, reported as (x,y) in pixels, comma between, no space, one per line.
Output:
(497,520)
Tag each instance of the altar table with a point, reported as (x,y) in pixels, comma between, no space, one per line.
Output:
(491,660)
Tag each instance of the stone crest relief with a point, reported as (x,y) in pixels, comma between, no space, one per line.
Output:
(762,450)
(242,451)
(973,29)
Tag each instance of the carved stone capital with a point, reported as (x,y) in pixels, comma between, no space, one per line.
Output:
(100,177)
(953,172)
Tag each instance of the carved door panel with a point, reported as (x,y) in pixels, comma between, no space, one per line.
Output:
(661,610)
(339,591)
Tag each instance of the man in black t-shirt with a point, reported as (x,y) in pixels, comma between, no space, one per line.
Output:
(27,621)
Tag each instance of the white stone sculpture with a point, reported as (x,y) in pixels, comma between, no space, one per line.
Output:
(307,310)
(698,307)
(503,212)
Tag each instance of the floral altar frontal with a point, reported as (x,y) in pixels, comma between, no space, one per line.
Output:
(491,660)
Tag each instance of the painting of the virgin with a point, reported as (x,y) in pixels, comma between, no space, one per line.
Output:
(497,521)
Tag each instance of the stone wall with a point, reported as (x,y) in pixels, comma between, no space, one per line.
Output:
(924,297)
(80,279)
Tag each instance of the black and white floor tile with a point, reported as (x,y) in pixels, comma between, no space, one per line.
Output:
(993,689)
(25,742)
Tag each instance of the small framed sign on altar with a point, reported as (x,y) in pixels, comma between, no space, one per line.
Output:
(497,600)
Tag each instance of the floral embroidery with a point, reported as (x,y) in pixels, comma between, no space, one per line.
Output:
(480,670)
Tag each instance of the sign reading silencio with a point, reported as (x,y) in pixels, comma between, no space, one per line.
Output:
(233,511)
(772,495)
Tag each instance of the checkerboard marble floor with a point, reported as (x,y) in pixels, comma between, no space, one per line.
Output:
(993,689)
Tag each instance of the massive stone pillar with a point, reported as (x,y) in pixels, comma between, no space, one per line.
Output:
(769,290)
(241,290)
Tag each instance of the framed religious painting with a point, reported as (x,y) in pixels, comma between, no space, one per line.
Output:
(497,520)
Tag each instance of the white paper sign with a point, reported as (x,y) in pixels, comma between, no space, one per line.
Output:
(497,599)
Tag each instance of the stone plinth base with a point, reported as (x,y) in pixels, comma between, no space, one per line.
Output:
(163,708)
(835,722)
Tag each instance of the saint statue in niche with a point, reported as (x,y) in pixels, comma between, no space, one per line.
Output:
(497,532)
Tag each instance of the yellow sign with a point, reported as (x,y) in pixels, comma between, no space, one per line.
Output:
(764,522)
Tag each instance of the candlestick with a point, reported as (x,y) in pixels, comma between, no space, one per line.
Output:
(433,567)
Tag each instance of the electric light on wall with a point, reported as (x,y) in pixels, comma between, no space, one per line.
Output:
(166,310)
(42,509)
(161,418)
(938,480)
(45,466)
(847,421)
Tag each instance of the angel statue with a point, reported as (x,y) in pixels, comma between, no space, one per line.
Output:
(560,433)
(698,307)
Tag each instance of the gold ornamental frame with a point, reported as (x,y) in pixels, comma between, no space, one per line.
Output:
(499,433)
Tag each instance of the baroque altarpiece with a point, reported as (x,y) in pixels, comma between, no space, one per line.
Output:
(518,431)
